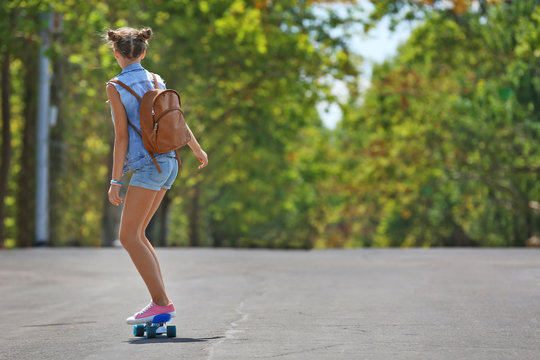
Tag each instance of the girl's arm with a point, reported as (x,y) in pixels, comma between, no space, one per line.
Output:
(197,150)
(193,143)
(121,140)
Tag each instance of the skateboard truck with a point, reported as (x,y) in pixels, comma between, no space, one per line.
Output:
(155,327)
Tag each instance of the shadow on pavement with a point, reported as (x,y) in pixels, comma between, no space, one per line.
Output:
(169,340)
(61,324)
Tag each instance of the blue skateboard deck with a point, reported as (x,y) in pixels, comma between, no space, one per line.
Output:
(155,328)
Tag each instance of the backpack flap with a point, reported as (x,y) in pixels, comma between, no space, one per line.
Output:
(162,123)
(146,117)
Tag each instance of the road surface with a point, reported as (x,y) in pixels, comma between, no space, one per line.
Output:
(71,303)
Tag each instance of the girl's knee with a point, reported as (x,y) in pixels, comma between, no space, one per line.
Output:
(127,235)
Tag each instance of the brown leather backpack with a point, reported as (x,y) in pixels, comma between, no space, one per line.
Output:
(163,127)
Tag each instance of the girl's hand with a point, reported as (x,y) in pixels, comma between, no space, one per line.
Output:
(202,157)
(114,195)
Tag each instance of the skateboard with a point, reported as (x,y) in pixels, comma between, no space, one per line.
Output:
(155,327)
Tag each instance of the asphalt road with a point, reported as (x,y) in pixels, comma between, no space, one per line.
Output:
(262,304)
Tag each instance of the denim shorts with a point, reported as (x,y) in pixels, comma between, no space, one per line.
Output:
(148,176)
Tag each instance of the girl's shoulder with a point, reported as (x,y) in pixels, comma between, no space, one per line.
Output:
(130,78)
(159,79)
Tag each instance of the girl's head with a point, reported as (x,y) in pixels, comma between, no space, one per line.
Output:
(129,42)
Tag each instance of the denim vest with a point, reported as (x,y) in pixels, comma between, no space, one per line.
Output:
(139,80)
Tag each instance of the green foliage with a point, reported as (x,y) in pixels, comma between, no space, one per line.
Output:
(448,135)
(248,73)
(441,150)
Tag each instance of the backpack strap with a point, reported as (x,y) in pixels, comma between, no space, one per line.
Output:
(127,88)
(134,128)
(155,81)
(178,159)
(155,162)
(135,94)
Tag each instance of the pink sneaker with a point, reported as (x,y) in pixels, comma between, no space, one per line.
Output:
(147,314)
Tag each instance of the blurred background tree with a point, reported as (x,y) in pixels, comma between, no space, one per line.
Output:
(445,142)
(439,151)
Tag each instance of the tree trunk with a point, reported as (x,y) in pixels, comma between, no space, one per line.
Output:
(57,146)
(111,214)
(26,178)
(6,139)
(164,224)
(194,234)
(217,239)
(529,229)
(157,228)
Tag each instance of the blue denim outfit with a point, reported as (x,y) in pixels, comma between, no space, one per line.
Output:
(137,157)
(148,176)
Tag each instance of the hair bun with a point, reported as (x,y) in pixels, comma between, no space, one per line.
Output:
(145,34)
(113,35)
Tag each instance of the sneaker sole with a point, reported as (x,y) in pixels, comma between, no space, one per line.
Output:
(144,320)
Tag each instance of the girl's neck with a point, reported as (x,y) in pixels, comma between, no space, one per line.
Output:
(125,64)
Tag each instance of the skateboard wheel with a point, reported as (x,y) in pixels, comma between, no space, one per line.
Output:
(151,332)
(138,330)
(171,331)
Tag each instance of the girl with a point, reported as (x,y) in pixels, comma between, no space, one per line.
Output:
(147,186)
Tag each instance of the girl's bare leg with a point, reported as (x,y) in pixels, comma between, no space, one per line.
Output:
(136,208)
(155,205)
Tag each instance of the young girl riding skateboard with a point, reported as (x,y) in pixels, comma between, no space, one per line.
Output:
(147,186)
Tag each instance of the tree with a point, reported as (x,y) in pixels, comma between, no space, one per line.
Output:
(249,74)
(445,132)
